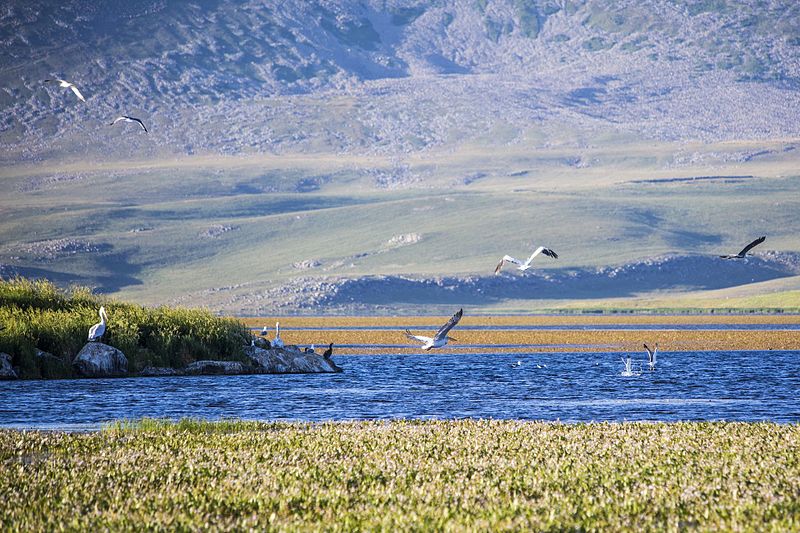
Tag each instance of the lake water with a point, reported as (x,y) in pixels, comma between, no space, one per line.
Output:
(547,386)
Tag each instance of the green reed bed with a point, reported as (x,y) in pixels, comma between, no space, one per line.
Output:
(400,475)
(36,315)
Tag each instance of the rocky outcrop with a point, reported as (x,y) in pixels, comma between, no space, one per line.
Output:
(286,361)
(6,370)
(97,360)
(150,371)
(215,367)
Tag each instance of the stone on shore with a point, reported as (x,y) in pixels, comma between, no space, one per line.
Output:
(286,361)
(97,360)
(6,370)
(207,367)
(151,371)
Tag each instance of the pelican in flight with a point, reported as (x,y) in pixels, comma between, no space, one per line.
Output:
(527,264)
(441,338)
(746,249)
(67,85)
(278,342)
(96,332)
(126,118)
(651,356)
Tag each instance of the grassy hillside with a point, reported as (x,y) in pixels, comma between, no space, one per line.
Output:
(300,144)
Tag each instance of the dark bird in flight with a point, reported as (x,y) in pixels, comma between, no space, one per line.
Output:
(67,85)
(441,338)
(129,119)
(651,356)
(746,249)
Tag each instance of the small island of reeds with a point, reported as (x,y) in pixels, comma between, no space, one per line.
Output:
(43,327)
(462,475)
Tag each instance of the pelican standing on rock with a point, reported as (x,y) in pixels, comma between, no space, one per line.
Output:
(441,338)
(67,85)
(651,356)
(278,342)
(96,332)
(527,264)
(126,118)
(743,253)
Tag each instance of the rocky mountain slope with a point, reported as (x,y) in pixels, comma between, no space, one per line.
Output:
(396,76)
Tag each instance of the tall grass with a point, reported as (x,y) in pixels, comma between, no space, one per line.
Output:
(461,475)
(37,315)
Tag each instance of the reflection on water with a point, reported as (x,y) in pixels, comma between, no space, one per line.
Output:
(571,387)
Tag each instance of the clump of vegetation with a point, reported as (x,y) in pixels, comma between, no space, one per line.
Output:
(39,317)
(404,475)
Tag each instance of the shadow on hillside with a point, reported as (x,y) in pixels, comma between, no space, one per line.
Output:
(683,273)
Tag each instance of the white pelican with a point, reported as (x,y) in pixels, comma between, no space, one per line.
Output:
(527,264)
(515,365)
(651,356)
(441,338)
(67,85)
(746,249)
(126,118)
(264,331)
(96,331)
(278,342)
(329,352)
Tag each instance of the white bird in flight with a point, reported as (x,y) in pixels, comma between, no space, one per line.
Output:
(126,118)
(278,342)
(527,264)
(67,85)
(441,338)
(746,249)
(651,356)
(96,332)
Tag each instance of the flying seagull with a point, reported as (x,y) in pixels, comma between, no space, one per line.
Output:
(441,338)
(651,356)
(96,332)
(746,249)
(527,264)
(67,85)
(129,119)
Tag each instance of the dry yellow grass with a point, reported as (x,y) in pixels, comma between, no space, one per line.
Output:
(541,340)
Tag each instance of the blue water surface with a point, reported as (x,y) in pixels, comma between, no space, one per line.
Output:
(738,385)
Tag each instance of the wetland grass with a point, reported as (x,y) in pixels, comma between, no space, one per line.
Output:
(36,315)
(404,475)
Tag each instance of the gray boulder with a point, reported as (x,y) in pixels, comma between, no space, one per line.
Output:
(215,367)
(283,361)
(6,370)
(100,360)
(150,371)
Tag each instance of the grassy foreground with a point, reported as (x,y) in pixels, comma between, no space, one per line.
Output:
(434,475)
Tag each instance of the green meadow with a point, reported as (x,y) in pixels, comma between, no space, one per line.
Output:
(404,475)
(221,232)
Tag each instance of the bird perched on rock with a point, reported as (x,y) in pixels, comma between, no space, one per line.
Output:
(96,331)
(329,352)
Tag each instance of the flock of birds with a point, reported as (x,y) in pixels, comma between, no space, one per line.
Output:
(71,86)
(441,337)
